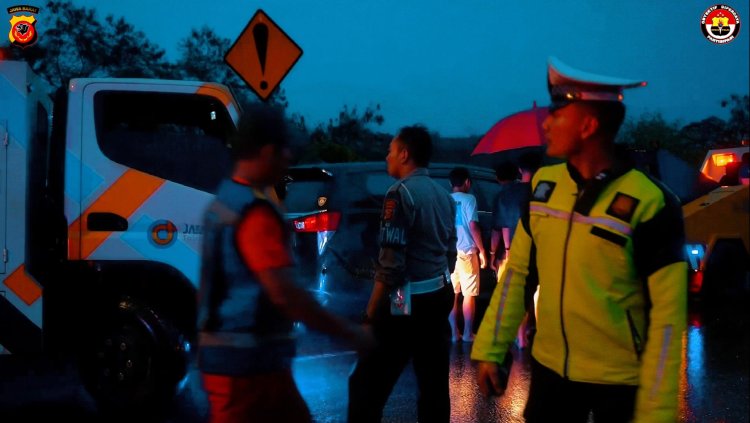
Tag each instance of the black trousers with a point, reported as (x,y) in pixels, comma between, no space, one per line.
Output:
(424,338)
(555,399)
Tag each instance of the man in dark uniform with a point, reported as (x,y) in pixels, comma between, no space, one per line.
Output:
(412,296)
(248,298)
(607,242)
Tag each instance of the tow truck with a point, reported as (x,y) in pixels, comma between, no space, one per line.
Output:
(717,229)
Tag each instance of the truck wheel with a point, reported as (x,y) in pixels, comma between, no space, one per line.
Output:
(133,360)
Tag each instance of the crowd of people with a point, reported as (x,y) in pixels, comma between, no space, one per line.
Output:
(598,242)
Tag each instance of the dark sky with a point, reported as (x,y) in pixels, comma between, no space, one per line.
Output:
(458,67)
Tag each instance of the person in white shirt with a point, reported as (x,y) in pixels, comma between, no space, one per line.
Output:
(471,254)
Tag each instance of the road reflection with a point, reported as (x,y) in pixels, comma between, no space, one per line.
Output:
(714,377)
(713,381)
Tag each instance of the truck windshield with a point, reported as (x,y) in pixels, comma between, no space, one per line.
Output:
(178,137)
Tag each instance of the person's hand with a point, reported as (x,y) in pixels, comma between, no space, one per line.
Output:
(492,378)
(482,260)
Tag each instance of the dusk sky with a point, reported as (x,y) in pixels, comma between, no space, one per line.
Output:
(458,67)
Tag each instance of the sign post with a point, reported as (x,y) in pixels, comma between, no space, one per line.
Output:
(263,55)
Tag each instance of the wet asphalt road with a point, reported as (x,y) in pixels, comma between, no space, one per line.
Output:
(715,385)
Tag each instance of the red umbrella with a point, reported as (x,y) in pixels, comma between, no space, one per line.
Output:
(522,129)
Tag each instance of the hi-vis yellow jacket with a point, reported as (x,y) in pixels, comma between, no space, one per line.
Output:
(612,284)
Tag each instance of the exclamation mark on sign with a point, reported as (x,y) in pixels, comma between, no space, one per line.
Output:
(260,33)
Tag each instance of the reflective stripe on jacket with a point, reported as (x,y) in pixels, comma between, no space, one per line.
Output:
(612,284)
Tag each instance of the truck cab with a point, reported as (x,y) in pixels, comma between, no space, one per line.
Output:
(104,190)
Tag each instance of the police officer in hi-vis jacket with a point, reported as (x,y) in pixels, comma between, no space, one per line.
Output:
(412,296)
(606,241)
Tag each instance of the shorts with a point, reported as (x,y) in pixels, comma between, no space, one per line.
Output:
(465,276)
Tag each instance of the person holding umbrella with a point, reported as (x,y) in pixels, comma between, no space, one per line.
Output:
(509,205)
(606,241)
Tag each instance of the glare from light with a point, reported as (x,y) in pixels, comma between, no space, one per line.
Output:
(322,280)
(722,159)
(696,372)
(695,254)
(323,238)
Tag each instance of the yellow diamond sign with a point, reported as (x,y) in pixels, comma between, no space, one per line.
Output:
(263,55)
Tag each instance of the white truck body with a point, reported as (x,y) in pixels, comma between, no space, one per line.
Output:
(23,111)
(100,214)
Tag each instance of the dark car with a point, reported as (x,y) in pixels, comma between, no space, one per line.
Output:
(334,211)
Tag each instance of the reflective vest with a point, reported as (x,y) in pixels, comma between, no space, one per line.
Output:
(240,331)
(612,284)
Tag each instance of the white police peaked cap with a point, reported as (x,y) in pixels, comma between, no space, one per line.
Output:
(567,85)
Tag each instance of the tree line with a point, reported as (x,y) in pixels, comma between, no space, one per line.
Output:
(77,43)
(692,140)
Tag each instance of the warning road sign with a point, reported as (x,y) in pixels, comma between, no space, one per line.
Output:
(263,55)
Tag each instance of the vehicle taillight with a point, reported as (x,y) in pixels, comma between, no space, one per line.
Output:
(695,254)
(318,222)
(695,281)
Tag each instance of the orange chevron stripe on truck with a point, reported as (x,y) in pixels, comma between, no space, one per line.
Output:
(23,285)
(123,198)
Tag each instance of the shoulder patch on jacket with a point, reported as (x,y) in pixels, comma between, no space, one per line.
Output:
(543,191)
(623,206)
(389,208)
